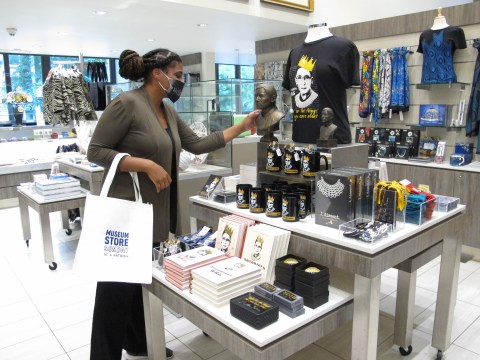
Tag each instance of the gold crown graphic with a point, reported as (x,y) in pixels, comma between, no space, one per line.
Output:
(306,63)
(269,153)
(216,180)
(288,156)
(285,201)
(228,230)
(270,198)
(253,195)
(306,158)
(259,239)
(241,191)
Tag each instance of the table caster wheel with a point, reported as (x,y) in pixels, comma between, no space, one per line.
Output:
(27,242)
(439,355)
(53,266)
(404,352)
(68,231)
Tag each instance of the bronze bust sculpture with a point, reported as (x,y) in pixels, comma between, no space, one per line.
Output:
(327,128)
(268,121)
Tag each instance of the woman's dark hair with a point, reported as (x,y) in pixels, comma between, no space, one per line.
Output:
(135,67)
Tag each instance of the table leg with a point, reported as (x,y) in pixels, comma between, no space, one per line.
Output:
(366,306)
(65,221)
(447,293)
(25,218)
(404,310)
(193,224)
(46,237)
(153,309)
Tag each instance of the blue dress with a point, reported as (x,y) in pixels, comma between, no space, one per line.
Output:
(438,47)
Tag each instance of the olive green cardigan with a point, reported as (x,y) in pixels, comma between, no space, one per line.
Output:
(130,125)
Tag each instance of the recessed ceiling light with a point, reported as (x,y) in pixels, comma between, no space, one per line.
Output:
(99,12)
(114,51)
(202,25)
(150,40)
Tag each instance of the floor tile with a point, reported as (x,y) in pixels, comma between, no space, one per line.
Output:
(17,311)
(41,347)
(178,326)
(202,345)
(69,315)
(19,331)
(313,352)
(82,353)
(75,336)
(423,300)
(225,355)
(469,289)
(65,297)
(470,338)
(181,351)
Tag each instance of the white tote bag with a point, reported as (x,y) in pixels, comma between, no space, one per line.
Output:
(116,239)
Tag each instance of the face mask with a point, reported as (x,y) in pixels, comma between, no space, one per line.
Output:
(174,90)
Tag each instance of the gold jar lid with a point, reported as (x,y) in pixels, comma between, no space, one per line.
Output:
(312,269)
(290,261)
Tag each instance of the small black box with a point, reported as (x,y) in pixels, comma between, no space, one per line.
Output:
(311,291)
(285,278)
(253,309)
(289,262)
(312,272)
(283,285)
(314,302)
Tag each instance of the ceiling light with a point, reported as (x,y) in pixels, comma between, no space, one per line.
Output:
(202,25)
(150,40)
(99,12)
(61,33)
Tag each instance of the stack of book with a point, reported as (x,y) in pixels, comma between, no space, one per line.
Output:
(178,267)
(263,245)
(231,234)
(220,281)
(52,189)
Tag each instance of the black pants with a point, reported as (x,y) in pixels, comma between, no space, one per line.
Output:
(118,321)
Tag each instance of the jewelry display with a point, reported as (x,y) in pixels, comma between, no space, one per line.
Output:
(330,191)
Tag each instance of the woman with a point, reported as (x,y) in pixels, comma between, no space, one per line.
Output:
(140,123)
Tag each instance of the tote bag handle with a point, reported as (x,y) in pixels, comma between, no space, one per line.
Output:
(111,174)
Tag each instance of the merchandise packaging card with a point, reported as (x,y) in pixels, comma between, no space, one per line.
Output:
(358,192)
(411,137)
(213,184)
(334,199)
(363,204)
(433,115)
(362,134)
(394,135)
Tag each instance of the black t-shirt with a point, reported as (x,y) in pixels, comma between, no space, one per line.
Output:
(438,47)
(317,75)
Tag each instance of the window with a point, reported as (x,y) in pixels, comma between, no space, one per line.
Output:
(119,78)
(233,94)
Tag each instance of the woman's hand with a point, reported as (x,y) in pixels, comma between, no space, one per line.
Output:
(159,176)
(250,121)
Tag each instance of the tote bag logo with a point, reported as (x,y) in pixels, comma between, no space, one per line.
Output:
(116,243)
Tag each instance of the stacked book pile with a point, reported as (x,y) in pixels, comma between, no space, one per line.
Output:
(52,189)
(263,245)
(220,281)
(178,267)
(231,234)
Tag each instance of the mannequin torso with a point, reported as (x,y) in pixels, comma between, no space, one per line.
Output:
(317,32)
(439,23)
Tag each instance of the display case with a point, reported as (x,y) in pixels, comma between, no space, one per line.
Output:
(112,91)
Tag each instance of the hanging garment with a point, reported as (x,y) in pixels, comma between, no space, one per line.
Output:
(438,47)
(365,84)
(385,81)
(473,111)
(66,97)
(400,98)
(375,90)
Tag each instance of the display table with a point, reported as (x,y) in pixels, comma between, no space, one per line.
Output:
(28,198)
(91,175)
(406,248)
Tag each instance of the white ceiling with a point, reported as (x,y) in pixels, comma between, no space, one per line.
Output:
(71,27)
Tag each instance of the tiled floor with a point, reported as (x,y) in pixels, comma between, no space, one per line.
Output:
(47,314)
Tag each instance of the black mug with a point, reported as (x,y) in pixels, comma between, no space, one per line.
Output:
(290,207)
(274,203)
(304,202)
(274,159)
(243,196)
(310,163)
(291,161)
(257,200)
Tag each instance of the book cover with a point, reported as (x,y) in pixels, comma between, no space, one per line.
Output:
(433,115)
(225,271)
(228,236)
(260,249)
(194,257)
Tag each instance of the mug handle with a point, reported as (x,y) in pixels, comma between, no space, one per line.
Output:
(326,161)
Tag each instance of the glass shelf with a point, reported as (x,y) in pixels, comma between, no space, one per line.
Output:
(456,85)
